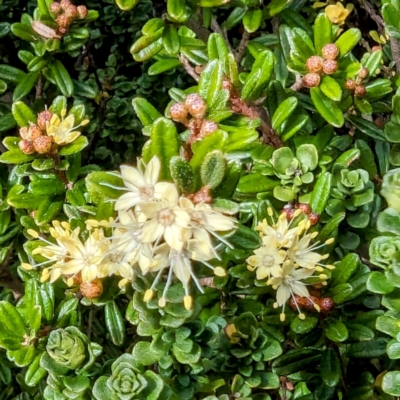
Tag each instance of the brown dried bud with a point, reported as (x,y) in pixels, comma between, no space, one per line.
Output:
(63,31)
(64,4)
(23,132)
(326,303)
(289,213)
(43,118)
(71,11)
(360,91)
(329,66)
(311,79)
(82,12)
(351,84)
(178,112)
(63,21)
(208,127)
(305,208)
(313,218)
(195,105)
(314,64)
(34,132)
(43,144)
(202,196)
(363,73)
(26,146)
(91,290)
(330,51)
(376,48)
(55,7)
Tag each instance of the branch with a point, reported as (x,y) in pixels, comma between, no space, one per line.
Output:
(242,46)
(189,68)
(200,31)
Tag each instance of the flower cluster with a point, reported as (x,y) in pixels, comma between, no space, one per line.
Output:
(49,132)
(287,258)
(156,230)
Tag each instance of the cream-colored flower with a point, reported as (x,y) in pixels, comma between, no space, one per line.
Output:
(337,13)
(142,184)
(281,231)
(63,130)
(164,219)
(267,260)
(289,284)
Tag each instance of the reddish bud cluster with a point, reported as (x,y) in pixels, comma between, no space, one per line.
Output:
(289,209)
(356,86)
(307,303)
(91,290)
(317,65)
(66,12)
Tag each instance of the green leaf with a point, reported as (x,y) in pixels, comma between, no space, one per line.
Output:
(212,169)
(11,74)
(126,5)
(182,174)
(115,323)
(322,32)
(47,211)
(3,86)
(378,283)
(367,127)
(284,111)
(252,19)
(74,147)
(163,143)
(62,78)
(330,88)
(373,62)
(321,193)
(163,65)
(345,269)
(23,114)
(101,184)
(335,330)
(256,183)
(145,354)
(368,349)
(348,40)
(328,109)
(330,367)
(145,111)
(12,327)
(171,40)
(391,383)
(47,187)
(388,324)
(16,157)
(210,82)
(34,374)
(177,10)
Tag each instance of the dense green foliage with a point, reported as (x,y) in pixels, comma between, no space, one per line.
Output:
(200,199)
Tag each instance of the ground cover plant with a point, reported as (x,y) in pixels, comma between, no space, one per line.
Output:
(200,199)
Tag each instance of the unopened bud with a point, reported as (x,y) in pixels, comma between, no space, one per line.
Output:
(207,128)
(360,91)
(64,4)
(195,105)
(314,64)
(91,290)
(178,112)
(305,208)
(376,48)
(329,66)
(55,7)
(330,51)
(43,144)
(311,79)
(351,84)
(63,21)
(34,132)
(363,73)
(23,132)
(26,146)
(43,118)
(313,218)
(82,12)
(71,11)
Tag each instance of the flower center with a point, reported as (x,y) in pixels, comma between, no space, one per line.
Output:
(289,280)
(268,261)
(166,217)
(146,191)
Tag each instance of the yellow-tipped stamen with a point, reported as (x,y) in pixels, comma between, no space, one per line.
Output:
(63,112)
(331,267)
(188,302)
(33,233)
(270,211)
(317,307)
(302,316)
(329,241)
(85,122)
(162,302)
(26,266)
(296,213)
(324,257)
(66,225)
(282,317)
(148,295)
(38,250)
(314,235)
(219,271)
(122,283)
(56,224)
(323,277)
(319,269)
(70,281)
(275,305)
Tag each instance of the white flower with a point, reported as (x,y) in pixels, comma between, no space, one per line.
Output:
(289,284)
(142,184)
(165,219)
(63,130)
(280,231)
(267,260)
